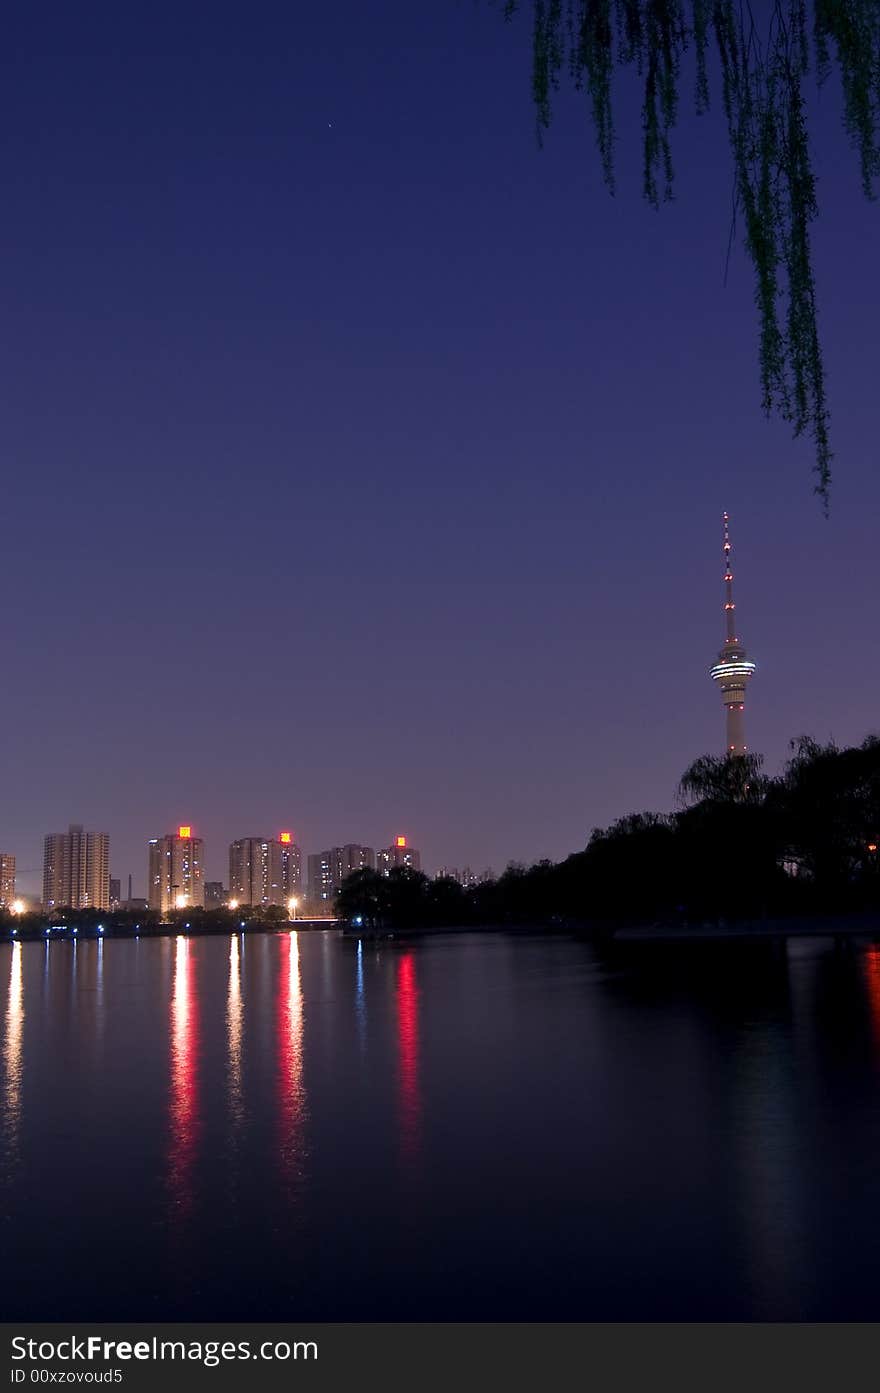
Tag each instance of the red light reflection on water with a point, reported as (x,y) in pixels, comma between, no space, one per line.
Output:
(408,1056)
(872,981)
(183,1101)
(291,1089)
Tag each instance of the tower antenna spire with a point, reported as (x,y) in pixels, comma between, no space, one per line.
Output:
(729,606)
(733,671)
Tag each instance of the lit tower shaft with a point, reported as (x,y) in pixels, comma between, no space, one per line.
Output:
(733,671)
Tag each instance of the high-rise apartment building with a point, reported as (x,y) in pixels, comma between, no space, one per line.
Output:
(328,869)
(319,879)
(264,870)
(177,871)
(255,871)
(398,854)
(291,865)
(215,894)
(7,880)
(76,869)
(464,877)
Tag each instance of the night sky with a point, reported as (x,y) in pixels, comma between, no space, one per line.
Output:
(363,464)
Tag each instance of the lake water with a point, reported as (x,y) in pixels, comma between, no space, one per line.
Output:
(476,1126)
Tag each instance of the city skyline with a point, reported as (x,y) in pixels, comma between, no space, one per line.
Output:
(424,411)
(269,870)
(175,869)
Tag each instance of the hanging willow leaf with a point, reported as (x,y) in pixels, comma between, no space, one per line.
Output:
(764,54)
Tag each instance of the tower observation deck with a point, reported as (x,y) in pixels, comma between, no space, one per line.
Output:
(733,671)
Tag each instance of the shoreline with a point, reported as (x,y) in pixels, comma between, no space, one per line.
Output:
(852,925)
(67,934)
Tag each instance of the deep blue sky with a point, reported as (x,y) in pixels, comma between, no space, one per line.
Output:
(363,464)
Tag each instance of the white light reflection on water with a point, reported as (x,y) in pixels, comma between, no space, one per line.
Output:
(183,1097)
(12,1052)
(234,1022)
(360,1001)
(291,1088)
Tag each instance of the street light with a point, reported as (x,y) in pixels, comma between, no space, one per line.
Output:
(180,902)
(233,904)
(291,906)
(18,906)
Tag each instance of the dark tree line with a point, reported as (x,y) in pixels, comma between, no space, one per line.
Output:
(123,922)
(741,845)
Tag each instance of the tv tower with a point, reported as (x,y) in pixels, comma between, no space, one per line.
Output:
(733,670)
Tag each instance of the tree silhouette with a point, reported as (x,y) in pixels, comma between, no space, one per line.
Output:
(724,779)
(765,51)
